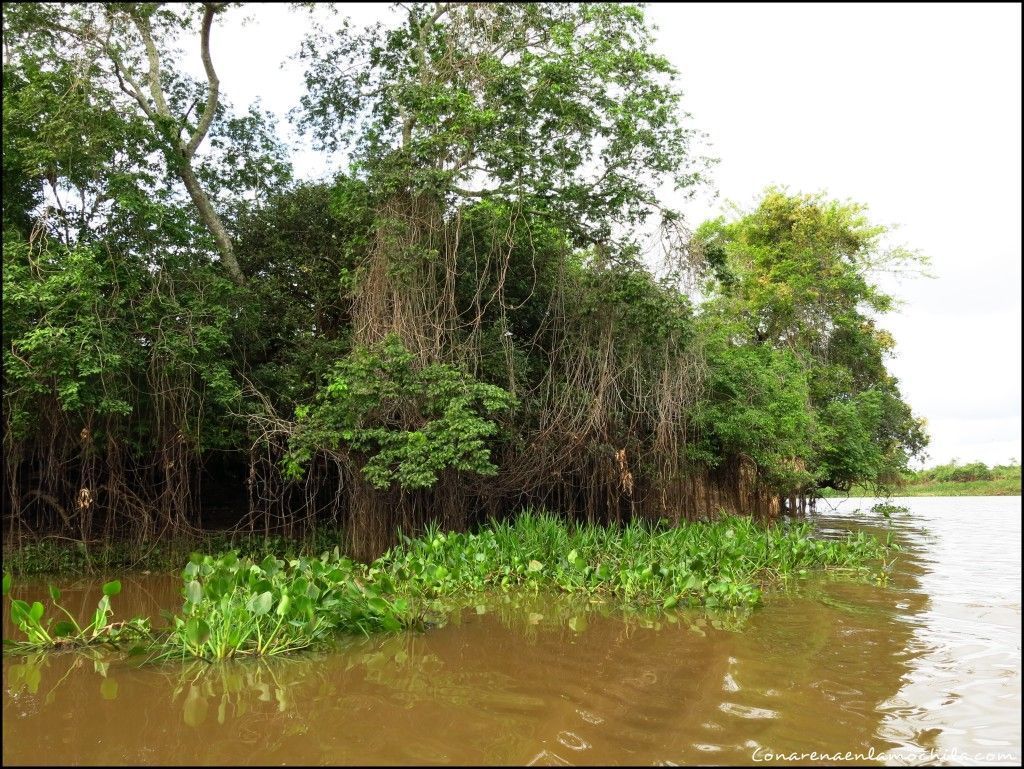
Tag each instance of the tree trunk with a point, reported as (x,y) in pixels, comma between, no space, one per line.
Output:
(212,222)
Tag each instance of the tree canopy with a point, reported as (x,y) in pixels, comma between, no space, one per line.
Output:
(463,320)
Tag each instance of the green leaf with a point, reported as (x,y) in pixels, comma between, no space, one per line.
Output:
(269,565)
(194,592)
(197,632)
(112,588)
(19,609)
(36,612)
(54,594)
(535,566)
(282,607)
(261,604)
(7,583)
(108,689)
(64,628)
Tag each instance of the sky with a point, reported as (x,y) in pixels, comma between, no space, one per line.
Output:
(912,109)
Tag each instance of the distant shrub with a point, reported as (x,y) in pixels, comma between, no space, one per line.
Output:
(954,473)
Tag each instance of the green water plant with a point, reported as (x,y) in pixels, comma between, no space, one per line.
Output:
(239,607)
(719,564)
(63,556)
(68,632)
(888,508)
(243,607)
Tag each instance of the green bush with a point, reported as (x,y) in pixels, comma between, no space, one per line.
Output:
(367,402)
(954,473)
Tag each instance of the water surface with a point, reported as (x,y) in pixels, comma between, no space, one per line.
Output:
(925,670)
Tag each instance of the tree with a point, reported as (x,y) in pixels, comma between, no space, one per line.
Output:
(797,274)
(561,107)
(116,54)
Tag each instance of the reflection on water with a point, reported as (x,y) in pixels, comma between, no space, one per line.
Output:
(929,663)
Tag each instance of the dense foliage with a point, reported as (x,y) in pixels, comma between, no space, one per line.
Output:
(463,321)
(968,479)
(720,564)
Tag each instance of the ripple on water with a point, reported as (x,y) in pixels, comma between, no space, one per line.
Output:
(547,758)
(572,741)
(963,689)
(746,711)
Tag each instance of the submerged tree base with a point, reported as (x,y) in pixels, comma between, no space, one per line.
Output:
(248,607)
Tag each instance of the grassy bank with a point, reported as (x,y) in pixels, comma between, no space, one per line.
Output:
(950,480)
(244,606)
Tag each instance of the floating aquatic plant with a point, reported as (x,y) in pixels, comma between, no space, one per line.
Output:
(718,564)
(68,632)
(235,606)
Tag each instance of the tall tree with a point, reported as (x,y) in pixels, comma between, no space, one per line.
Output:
(562,107)
(798,274)
(122,50)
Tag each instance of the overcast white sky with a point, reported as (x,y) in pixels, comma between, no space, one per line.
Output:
(912,109)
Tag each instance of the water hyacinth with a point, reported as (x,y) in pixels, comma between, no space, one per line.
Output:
(236,607)
(719,564)
(69,633)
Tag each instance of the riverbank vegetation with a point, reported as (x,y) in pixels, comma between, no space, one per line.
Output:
(239,606)
(949,480)
(65,556)
(721,564)
(488,306)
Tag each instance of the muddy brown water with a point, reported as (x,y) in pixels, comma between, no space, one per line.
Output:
(923,671)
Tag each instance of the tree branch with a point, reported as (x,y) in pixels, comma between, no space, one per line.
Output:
(213,93)
(142,24)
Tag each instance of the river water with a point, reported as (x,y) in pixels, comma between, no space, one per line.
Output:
(925,670)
